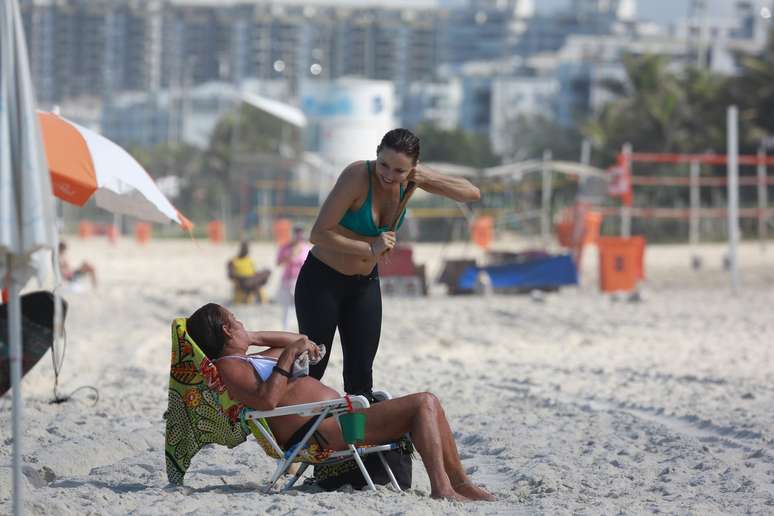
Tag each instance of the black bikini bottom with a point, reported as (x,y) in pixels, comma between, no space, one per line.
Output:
(301,432)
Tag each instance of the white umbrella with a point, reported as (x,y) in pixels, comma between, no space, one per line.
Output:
(26,203)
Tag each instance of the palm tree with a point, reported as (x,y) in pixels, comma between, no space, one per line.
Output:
(644,113)
(753,92)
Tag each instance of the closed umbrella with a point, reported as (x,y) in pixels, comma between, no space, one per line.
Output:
(26,203)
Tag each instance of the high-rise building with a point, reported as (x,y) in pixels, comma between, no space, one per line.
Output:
(86,52)
(91,48)
(95,48)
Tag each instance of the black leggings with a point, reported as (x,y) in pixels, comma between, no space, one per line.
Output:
(326,299)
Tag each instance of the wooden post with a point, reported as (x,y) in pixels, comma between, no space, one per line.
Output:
(732,136)
(545,207)
(763,200)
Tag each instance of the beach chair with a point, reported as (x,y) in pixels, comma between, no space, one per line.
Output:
(400,275)
(200,412)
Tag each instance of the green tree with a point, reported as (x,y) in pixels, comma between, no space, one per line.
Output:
(180,160)
(644,111)
(249,132)
(657,109)
(753,92)
(455,146)
(245,146)
(533,135)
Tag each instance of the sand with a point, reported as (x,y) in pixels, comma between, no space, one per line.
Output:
(569,403)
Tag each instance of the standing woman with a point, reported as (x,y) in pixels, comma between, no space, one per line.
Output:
(338,285)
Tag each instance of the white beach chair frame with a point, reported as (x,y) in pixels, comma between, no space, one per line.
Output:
(321,410)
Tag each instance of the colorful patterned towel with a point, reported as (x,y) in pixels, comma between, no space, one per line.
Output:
(199,410)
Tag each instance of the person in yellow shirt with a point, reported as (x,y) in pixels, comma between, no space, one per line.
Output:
(247,280)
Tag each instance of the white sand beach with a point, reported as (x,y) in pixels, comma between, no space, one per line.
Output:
(568,403)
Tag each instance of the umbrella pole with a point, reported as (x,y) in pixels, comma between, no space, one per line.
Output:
(15,356)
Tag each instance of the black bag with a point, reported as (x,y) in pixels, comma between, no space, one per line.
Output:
(333,476)
(37,322)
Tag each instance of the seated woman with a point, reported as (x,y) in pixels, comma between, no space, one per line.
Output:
(74,273)
(242,271)
(262,381)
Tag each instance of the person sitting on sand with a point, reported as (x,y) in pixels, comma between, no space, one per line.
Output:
(73,274)
(242,271)
(262,381)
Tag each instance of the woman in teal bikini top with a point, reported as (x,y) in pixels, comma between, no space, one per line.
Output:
(338,286)
(362,220)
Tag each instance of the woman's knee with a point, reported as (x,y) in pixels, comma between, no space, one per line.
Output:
(428,402)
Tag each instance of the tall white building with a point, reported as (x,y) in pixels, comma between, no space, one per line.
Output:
(346,118)
(516,97)
(436,103)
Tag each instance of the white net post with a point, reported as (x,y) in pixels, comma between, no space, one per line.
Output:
(695,171)
(626,211)
(545,208)
(763,200)
(733,194)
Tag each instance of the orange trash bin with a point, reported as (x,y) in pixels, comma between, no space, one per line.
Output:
(112,234)
(282,229)
(621,263)
(85,229)
(142,232)
(215,231)
(482,231)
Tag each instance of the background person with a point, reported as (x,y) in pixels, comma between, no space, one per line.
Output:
(291,257)
(338,286)
(242,271)
(70,273)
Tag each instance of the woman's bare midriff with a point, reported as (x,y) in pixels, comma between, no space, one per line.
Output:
(300,390)
(348,264)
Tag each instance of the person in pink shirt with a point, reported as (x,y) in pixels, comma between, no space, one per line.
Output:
(291,257)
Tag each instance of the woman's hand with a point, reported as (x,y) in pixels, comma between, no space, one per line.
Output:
(303,344)
(384,243)
(418,175)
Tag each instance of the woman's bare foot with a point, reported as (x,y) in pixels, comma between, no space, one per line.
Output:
(451,494)
(473,492)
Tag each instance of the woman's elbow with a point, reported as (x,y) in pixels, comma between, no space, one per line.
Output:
(314,236)
(265,404)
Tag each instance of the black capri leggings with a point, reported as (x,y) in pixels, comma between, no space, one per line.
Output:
(326,299)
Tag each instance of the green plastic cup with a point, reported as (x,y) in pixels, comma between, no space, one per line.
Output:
(353,427)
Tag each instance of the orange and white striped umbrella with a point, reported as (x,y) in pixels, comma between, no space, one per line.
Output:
(85,164)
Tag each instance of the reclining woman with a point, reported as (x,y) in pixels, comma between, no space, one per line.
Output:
(262,381)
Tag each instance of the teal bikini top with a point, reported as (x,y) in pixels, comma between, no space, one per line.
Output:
(362,221)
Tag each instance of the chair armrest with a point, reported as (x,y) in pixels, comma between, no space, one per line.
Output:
(311,409)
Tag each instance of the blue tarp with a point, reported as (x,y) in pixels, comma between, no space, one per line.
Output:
(550,272)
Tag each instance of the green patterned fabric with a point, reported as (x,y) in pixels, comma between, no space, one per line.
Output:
(199,410)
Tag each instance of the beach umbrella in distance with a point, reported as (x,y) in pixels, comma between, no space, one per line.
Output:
(85,164)
(26,203)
